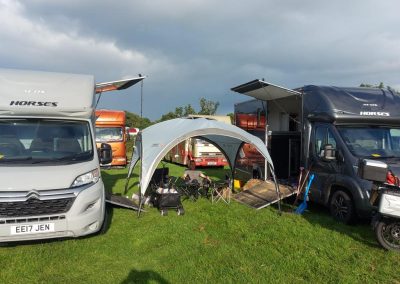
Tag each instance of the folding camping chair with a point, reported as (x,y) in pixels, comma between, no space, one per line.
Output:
(195,185)
(221,191)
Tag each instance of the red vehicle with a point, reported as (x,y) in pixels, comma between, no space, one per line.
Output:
(203,153)
(110,128)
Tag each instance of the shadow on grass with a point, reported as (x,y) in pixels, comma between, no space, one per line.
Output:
(318,215)
(146,276)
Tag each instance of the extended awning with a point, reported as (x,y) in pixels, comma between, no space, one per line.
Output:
(265,91)
(117,85)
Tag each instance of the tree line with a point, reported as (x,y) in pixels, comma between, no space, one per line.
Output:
(207,107)
(381,85)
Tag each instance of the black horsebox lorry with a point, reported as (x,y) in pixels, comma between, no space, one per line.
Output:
(328,131)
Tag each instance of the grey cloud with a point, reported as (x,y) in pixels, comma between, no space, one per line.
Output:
(192,48)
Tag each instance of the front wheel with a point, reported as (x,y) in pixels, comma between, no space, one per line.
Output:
(341,207)
(387,232)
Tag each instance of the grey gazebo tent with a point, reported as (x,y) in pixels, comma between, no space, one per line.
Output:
(154,142)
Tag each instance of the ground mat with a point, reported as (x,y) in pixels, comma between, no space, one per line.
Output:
(263,194)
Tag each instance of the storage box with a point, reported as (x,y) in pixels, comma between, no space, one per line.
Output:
(373,170)
(389,203)
(167,198)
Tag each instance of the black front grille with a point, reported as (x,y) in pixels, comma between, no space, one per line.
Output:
(35,207)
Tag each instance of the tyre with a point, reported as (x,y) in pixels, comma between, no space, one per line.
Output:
(387,233)
(341,207)
(107,220)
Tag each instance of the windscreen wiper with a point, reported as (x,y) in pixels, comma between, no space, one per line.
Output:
(74,157)
(15,159)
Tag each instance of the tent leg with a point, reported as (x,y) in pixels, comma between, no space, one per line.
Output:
(140,203)
(278,193)
(129,171)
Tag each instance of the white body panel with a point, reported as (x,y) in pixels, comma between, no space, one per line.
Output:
(390,204)
(46,94)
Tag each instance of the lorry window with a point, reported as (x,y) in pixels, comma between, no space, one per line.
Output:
(395,134)
(109,134)
(368,141)
(331,139)
(44,141)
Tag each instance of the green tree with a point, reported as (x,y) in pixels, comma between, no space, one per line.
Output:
(134,120)
(380,86)
(208,107)
(231,115)
(189,110)
(168,116)
(366,85)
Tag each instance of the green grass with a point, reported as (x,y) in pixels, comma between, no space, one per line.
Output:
(212,243)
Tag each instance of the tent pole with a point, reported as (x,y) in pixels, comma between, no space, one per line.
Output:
(264,104)
(140,176)
(266,145)
(129,171)
(278,193)
(140,190)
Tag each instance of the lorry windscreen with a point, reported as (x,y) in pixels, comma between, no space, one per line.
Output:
(109,134)
(44,141)
(372,142)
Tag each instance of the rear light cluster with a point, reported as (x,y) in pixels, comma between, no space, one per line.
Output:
(392,179)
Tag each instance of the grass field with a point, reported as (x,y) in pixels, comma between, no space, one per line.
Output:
(212,243)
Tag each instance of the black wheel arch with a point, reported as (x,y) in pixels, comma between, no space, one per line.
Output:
(358,196)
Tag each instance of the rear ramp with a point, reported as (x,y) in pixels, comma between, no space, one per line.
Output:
(264,194)
(121,201)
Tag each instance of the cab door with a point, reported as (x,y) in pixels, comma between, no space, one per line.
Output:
(324,171)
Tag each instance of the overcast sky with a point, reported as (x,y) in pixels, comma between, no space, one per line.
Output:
(191,49)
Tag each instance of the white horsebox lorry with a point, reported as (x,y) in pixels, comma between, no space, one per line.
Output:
(51,185)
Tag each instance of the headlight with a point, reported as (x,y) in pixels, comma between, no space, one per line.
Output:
(90,177)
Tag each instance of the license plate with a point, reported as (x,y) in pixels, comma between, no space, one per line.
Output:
(32,229)
(211,163)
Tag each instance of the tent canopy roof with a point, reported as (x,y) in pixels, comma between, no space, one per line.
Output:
(154,142)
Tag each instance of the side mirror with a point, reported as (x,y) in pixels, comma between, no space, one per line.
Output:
(329,153)
(105,154)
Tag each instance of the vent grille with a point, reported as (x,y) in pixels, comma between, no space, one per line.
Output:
(35,207)
(31,220)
